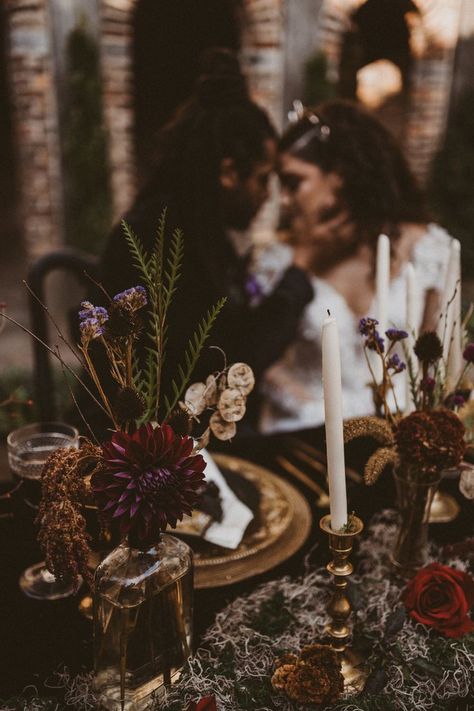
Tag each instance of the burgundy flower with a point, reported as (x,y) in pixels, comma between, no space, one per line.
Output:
(150,479)
(428,385)
(431,441)
(468,353)
(441,597)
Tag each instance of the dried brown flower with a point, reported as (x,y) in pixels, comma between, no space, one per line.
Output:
(312,678)
(431,441)
(428,347)
(129,405)
(180,421)
(122,322)
(63,536)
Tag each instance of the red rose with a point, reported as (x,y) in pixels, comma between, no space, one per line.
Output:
(441,597)
(207,703)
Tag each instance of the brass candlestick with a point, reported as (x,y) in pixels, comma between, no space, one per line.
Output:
(339,608)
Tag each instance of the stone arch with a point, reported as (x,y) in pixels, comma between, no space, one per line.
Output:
(433,43)
(261,55)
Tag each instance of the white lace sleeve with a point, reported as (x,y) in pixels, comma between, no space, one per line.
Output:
(430,257)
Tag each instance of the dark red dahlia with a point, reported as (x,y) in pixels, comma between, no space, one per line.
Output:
(150,479)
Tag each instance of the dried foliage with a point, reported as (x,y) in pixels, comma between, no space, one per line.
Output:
(431,441)
(373,427)
(312,678)
(225,393)
(380,459)
(63,536)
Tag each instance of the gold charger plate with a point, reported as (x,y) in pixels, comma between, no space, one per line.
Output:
(282,526)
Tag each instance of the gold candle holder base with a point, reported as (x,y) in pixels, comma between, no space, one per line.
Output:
(444,508)
(339,608)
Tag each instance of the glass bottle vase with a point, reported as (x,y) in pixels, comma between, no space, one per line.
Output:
(415,493)
(142,621)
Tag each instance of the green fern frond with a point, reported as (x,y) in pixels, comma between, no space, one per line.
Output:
(148,389)
(174,262)
(138,253)
(158,251)
(191,356)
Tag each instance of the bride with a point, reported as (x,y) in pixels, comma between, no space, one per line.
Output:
(345,181)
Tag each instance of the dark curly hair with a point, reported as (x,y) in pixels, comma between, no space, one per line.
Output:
(218,121)
(378,189)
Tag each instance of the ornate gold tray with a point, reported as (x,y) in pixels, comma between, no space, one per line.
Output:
(281,527)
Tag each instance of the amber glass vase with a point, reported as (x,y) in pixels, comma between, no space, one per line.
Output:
(142,621)
(415,492)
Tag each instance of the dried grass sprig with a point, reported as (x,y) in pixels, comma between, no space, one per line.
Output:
(373,427)
(380,459)
(382,433)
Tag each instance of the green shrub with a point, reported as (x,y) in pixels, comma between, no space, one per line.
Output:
(317,86)
(87,190)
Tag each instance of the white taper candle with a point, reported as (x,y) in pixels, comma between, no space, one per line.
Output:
(411,327)
(331,358)
(452,345)
(382,282)
(382,285)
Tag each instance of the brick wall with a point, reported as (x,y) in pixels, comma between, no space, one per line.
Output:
(31,75)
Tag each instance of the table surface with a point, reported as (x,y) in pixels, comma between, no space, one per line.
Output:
(41,637)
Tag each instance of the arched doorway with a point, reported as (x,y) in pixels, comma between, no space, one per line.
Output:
(376,59)
(168,39)
(433,27)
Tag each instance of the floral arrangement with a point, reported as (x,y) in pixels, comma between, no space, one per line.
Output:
(149,473)
(430,438)
(440,597)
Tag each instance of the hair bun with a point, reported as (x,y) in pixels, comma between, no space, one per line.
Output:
(220,83)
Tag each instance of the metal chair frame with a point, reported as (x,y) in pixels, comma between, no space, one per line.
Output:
(70,260)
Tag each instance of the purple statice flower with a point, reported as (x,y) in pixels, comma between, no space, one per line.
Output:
(132,299)
(375,342)
(395,364)
(89,311)
(90,329)
(427,385)
(395,334)
(468,353)
(367,326)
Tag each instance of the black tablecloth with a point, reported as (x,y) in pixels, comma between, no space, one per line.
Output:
(39,637)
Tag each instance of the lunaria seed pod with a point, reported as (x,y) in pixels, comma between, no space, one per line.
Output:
(220,428)
(231,405)
(195,399)
(240,376)
(210,393)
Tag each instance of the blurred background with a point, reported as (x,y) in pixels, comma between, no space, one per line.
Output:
(86,84)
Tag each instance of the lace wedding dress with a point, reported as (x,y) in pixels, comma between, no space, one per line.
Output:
(292,389)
